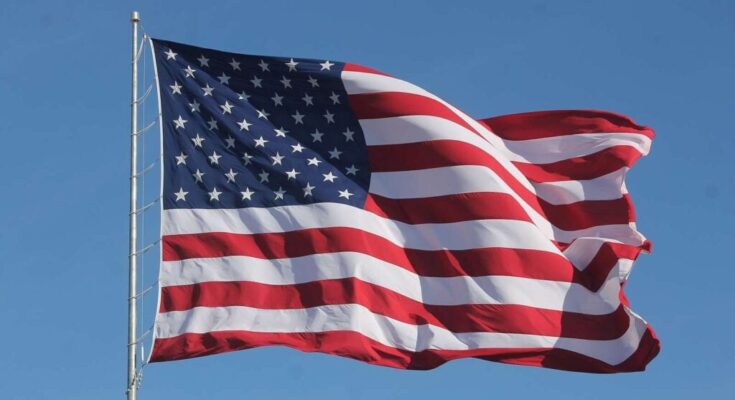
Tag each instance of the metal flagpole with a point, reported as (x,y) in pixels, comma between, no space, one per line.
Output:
(132,257)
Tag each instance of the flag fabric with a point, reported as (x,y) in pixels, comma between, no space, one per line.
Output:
(333,208)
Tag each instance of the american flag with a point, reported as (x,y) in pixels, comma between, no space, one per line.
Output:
(331,207)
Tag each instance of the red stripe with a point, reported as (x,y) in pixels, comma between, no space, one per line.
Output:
(362,68)
(580,168)
(397,104)
(505,318)
(543,124)
(356,346)
(532,264)
(447,153)
(444,209)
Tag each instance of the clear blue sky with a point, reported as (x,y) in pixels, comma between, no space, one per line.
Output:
(64,92)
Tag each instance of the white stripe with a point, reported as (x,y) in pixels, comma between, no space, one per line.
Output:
(421,128)
(456,236)
(385,330)
(477,178)
(606,187)
(446,291)
(558,148)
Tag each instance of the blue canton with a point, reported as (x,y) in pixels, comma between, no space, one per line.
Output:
(255,131)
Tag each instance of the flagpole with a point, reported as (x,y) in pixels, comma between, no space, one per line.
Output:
(132,387)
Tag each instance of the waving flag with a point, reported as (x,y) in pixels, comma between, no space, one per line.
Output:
(331,207)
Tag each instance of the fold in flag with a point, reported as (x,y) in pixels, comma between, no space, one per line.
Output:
(330,207)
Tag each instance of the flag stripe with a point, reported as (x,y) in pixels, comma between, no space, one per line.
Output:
(492,289)
(581,168)
(419,128)
(542,124)
(385,330)
(506,318)
(453,236)
(575,216)
(359,347)
(437,153)
(560,148)
(397,104)
(334,242)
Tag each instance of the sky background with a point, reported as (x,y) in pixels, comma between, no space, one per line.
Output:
(64,102)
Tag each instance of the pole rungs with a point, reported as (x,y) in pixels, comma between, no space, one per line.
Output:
(145,207)
(147,127)
(143,251)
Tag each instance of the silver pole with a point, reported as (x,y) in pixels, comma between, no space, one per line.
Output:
(132,257)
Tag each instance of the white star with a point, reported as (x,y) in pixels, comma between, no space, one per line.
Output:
(170,55)
(198,141)
(348,135)
(230,142)
(329,116)
(231,176)
(235,65)
(246,158)
(334,154)
(329,177)
(181,159)
(224,79)
(189,71)
(314,82)
(263,114)
(212,123)
(214,158)
(263,65)
(180,122)
(198,176)
(181,194)
(263,176)
(335,98)
(345,193)
(317,135)
(279,193)
(214,195)
(297,148)
(313,161)
(175,88)
(208,90)
(298,118)
(326,65)
(247,194)
(292,65)
(308,99)
(307,189)
(226,108)
(292,173)
(277,100)
(203,61)
(244,125)
(194,106)
(260,142)
(352,170)
(277,159)
(286,82)
(256,81)
(243,96)
(281,132)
